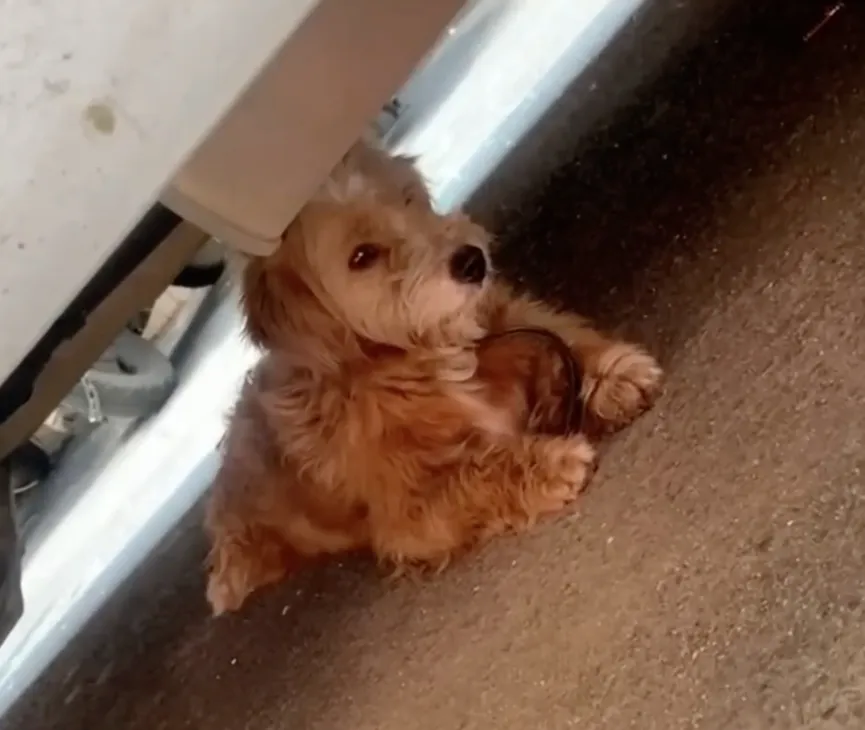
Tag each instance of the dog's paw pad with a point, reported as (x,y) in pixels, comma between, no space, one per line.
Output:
(571,457)
(571,461)
(629,382)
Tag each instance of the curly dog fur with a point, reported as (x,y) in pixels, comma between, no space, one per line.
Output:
(375,419)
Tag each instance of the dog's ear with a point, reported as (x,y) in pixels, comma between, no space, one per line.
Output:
(393,179)
(276,300)
(263,307)
(411,186)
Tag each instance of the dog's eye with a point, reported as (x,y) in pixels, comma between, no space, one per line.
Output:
(364,256)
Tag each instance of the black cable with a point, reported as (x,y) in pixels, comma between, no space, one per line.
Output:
(199,277)
(572,422)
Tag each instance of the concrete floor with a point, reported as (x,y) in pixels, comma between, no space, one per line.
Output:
(713,576)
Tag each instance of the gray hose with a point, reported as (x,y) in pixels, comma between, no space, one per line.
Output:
(131,380)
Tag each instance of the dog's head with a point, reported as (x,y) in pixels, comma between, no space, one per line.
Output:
(363,262)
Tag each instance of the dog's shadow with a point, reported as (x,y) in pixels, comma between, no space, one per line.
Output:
(615,233)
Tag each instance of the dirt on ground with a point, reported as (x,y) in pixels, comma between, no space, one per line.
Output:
(713,575)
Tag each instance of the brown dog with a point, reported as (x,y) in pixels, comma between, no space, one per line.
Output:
(375,420)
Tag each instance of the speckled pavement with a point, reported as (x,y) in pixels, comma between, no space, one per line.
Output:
(713,576)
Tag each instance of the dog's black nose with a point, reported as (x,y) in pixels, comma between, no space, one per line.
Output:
(469,265)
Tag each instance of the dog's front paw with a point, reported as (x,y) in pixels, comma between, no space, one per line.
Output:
(568,463)
(626,382)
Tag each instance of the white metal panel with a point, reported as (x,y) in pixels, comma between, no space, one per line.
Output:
(100,103)
(265,159)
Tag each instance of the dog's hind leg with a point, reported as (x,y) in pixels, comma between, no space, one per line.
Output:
(243,561)
(255,546)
